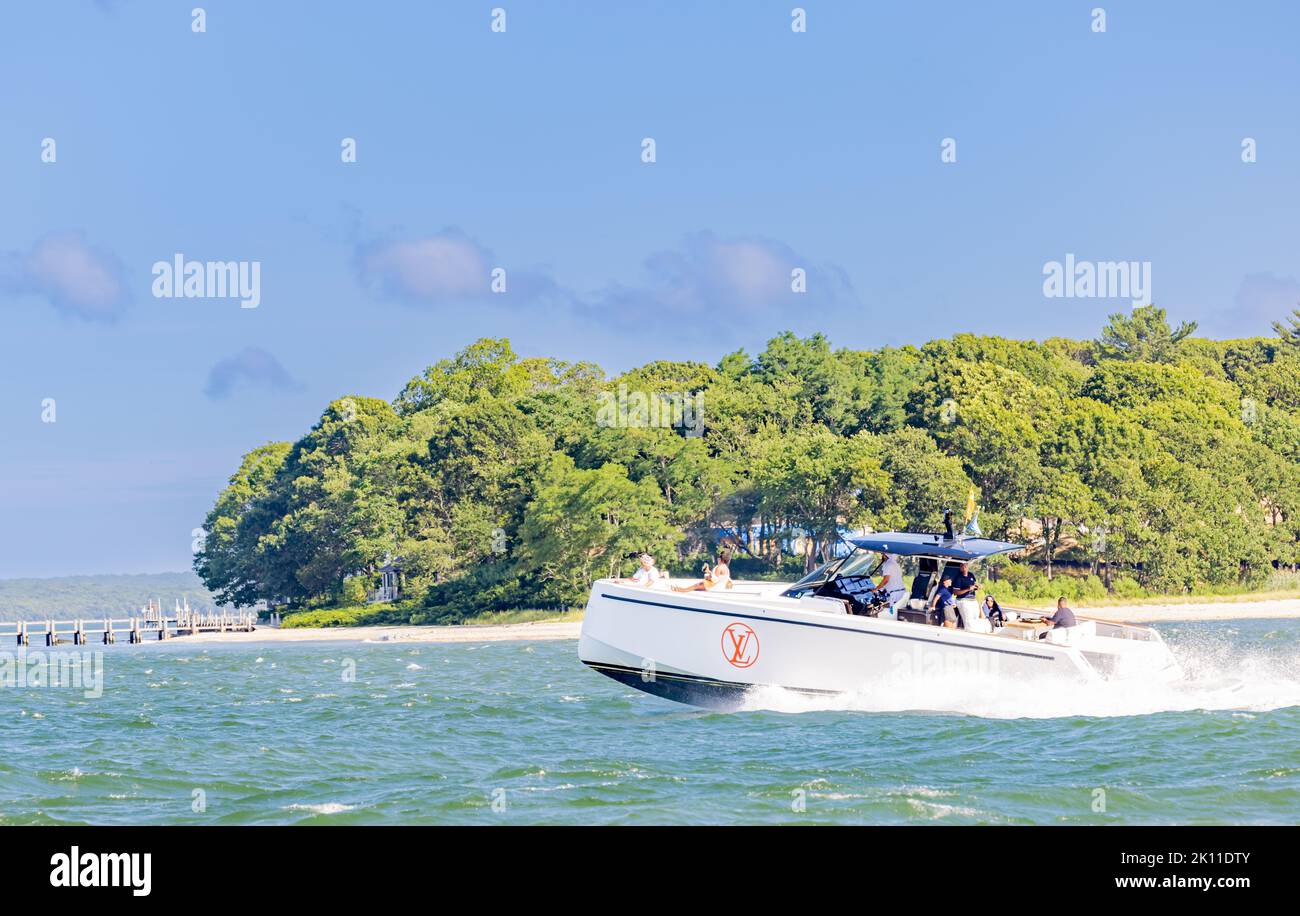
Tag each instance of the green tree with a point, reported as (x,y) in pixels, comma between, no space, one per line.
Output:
(1062,500)
(334,514)
(813,376)
(228,561)
(585,524)
(1145,335)
(1171,460)
(819,482)
(1289,328)
(486,368)
(923,481)
(992,420)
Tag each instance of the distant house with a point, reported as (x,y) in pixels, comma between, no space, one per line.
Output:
(388,583)
(267,608)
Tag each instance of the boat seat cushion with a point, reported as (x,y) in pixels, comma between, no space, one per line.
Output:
(1064,636)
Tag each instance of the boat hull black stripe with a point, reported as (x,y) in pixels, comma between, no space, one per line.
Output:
(691,689)
(827,626)
(697,678)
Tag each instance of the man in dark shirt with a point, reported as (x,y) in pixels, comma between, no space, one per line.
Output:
(945,604)
(963,583)
(1064,617)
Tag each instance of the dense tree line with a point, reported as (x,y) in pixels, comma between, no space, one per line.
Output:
(1145,458)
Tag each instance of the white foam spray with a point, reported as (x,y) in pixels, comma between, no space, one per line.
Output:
(1217,676)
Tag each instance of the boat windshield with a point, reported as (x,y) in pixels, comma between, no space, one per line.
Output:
(858,563)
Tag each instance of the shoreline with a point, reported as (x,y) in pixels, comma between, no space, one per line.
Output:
(407,634)
(1273,609)
(1268,609)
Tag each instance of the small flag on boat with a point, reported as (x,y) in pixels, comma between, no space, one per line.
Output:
(972,515)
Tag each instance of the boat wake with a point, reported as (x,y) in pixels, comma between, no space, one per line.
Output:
(1217,677)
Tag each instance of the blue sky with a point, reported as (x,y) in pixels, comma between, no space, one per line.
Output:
(523,150)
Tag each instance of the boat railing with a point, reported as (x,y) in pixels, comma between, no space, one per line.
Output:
(1113,629)
(739,587)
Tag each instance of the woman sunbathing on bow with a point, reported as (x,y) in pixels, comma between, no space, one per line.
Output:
(718,576)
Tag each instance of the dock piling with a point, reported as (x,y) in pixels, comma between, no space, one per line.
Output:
(186,623)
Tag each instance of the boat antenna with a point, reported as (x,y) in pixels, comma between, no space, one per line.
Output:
(947,524)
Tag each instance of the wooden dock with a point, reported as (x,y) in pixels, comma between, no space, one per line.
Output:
(108,630)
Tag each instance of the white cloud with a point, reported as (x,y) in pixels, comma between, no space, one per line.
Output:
(77,279)
(437,268)
(705,275)
(728,278)
(448,267)
(253,367)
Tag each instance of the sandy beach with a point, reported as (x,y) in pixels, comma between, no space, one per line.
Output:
(1276,609)
(568,629)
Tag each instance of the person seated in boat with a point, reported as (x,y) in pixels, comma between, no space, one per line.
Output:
(1064,617)
(963,583)
(646,576)
(993,611)
(718,576)
(945,604)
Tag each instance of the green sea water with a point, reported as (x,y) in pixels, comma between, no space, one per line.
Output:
(522,733)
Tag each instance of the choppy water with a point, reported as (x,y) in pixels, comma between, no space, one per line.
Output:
(276,733)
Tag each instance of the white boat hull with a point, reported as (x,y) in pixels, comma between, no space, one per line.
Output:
(710,648)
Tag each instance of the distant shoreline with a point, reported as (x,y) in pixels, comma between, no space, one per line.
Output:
(468,633)
(1271,609)
(1280,609)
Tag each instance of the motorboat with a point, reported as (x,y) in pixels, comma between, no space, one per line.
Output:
(833,633)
